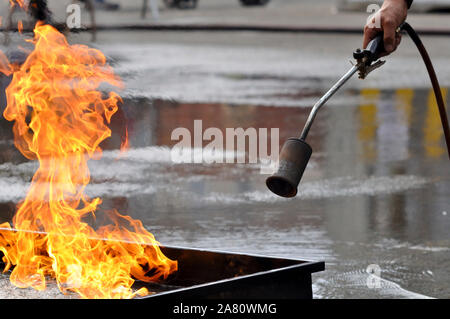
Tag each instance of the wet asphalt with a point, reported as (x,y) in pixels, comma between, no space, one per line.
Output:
(376,191)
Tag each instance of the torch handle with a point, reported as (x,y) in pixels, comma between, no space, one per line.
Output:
(372,51)
(375,47)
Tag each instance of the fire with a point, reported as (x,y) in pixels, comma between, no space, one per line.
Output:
(21,3)
(60,118)
(5,68)
(20,26)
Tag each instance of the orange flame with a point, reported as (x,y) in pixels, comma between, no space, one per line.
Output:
(20,26)
(5,67)
(60,119)
(20,3)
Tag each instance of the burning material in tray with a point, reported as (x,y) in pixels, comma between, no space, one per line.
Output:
(60,118)
(225,275)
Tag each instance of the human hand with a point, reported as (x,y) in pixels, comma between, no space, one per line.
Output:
(389,17)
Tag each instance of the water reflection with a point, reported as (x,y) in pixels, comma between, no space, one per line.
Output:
(432,128)
(383,121)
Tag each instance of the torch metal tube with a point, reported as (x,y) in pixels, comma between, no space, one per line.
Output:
(324,99)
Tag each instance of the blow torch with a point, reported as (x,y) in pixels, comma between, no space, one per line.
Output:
(296,152)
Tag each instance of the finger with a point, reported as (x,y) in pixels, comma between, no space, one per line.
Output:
(389,35)
(398,39)
(369,34)
(372,28)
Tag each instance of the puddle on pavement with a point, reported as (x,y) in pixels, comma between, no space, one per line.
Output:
(376,190)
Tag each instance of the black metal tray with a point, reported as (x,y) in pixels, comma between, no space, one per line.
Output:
(225,275)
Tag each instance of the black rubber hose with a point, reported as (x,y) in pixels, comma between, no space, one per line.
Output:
(434,81)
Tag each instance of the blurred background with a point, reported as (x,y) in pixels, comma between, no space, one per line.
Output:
(376,190)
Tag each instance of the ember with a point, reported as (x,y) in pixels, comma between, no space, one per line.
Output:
(60,118)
